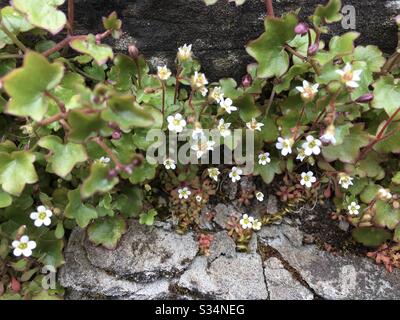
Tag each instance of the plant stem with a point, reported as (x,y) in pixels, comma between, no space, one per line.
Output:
(178,72)
(270,8)
(313,64)
(163,98)
(109,152)
(13,38)
(190,102)
(6,56)
(71,15)
(379,137)
(270,101)
(59,103)
(50,120)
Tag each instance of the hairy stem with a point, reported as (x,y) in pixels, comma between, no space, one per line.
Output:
(109,152)
(270,8)
(313,63)
(50,120)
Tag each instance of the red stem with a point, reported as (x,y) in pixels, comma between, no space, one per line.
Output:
(270,8)
(71,17)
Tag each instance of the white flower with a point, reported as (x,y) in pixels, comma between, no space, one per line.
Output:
(246,222)
(300,154)
(199,198)
(264,158)
(285,145)
(384,194)
(226,104)
(235,174)
(169,164)
(307,179)
(198,132)
(204,91)
(217,94)
(23,246)
(349,76)
(308,91)
(260,196)
(257,225)
(185,52)
(41,216)
(345,180)
(214,173)
(176,123)
(105,160)
(163,73)
(198,80)
(223,128)
(254,125)
(203,145)
(353,209)
(312,146)
(329,135)
(184,193)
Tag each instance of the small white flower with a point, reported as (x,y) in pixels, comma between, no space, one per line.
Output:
(246,222)
(345,180)
(105,160)
(214,173)
(184,52)
(217,94)
(308,91)
(353,209)
(235,174)
(198,132)
(223,128)
(199,198)
(41,216)
(226,104)
(312,146)
(264,159)
(257,225)
(202,146)
(198,80)
(384,194)
(163,73)
(204,91)
(254,125)
(349,76)
(184,193)
(329,135)
(285,145)
(23,246)
(300,154)
(169,164)
(176,123)
(307,179)
(260,196)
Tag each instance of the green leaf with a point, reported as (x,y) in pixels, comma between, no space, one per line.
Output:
(98,180)
(113,24)
(100,52)
(247,107)
(372,56)
(129,202)
(127,113)
(59,232)
(15,22)
(369,193)
(387,95)
(84,125)
(229,88)
(63,157)
(43,13)
(343,45)
(50,250)
(5,199)
(371,237)
(148,218)
(268,49)
(269,131)
(122,72)
(268,171)
(142,173)
(348,151)
(396,178)
(329,13)
(17,170)
(386,215)
(391,144)
(77,210)
(107,232)
(396,236)
(27,86)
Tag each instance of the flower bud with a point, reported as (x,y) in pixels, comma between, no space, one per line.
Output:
(128,169)
(247,81)
(116,135)
(365,98)
(301,28)
(20,232)
(313,49)
(133,51)
(112,173)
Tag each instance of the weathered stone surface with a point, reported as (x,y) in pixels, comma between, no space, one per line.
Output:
(281,283)
(222,244)
(219,33)
(146,254)
(240,277)
(223,213)
(332,277)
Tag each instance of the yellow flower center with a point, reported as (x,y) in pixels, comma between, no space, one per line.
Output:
(23,245)
(42,215)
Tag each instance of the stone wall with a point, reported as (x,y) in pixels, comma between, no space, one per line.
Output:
(219,33)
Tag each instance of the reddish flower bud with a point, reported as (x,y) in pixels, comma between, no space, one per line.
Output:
(368,97)
(112,173)
(116,135)
(133,51)
(313,49)
(301,28)
(247,81)
(15,285)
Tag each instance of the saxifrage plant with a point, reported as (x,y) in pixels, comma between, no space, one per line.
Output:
(75,116)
